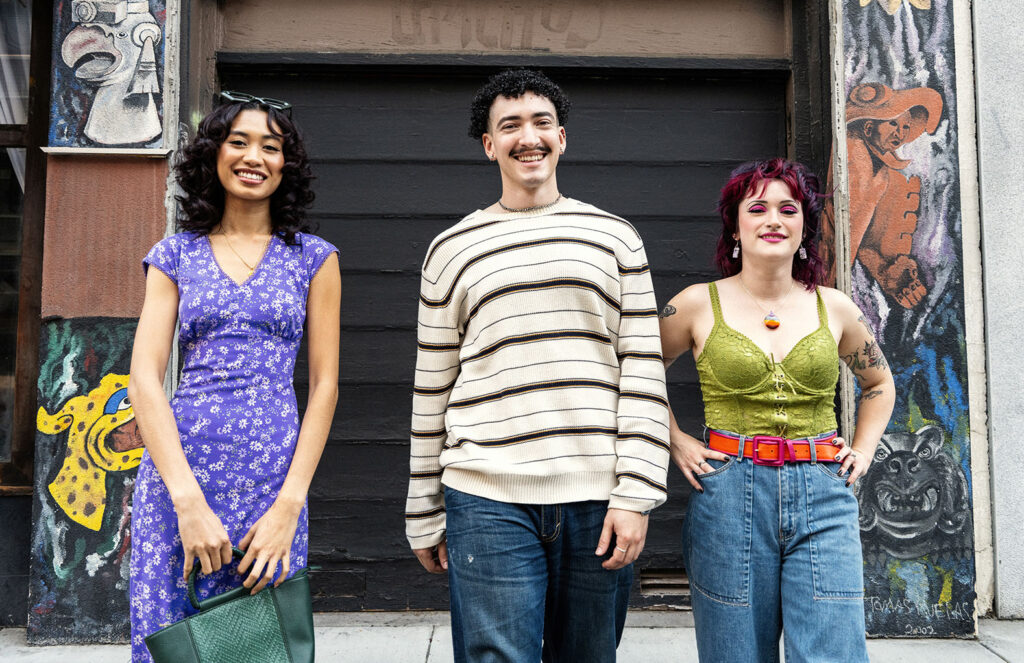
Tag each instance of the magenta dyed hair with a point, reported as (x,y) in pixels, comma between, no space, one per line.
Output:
(803,186)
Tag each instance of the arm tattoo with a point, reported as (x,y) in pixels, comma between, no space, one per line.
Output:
(667,311)
(874,355)
(870,356)
(868,395)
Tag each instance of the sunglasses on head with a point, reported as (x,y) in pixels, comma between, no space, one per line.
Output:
(231,96)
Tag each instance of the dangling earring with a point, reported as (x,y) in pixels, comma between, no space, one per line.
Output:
(736,251)
(802,252)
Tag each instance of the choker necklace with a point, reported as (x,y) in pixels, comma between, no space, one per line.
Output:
(771,321)
(529,209)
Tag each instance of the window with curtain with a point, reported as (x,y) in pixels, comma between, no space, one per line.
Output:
(15,49)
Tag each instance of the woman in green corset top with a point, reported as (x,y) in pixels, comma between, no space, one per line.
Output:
(771,539)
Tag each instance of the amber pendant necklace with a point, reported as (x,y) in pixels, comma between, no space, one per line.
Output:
(771,321)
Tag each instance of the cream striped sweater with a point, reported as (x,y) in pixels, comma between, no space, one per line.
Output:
(538,375)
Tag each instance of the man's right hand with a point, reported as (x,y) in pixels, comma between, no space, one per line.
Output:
(434,559)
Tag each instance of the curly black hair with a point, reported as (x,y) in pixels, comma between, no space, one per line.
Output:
(514,83)
(202,205)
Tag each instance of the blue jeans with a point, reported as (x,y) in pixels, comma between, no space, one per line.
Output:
(526,585)
(772,550)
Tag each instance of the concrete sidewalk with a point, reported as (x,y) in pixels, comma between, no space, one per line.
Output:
(425,637)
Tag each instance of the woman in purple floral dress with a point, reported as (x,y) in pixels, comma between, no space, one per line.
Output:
(227,462)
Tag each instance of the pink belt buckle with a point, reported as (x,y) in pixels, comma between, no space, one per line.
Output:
(778,442)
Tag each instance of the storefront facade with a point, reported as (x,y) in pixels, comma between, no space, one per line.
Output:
(668,98)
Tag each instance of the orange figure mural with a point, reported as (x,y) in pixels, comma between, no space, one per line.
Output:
(103,438)
(884,203)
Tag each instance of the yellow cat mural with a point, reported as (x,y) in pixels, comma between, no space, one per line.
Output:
(103,438)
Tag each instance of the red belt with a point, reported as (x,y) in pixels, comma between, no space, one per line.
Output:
(772,450)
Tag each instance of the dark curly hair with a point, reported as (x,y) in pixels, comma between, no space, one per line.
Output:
(803,186)
(514,83)
(202,205)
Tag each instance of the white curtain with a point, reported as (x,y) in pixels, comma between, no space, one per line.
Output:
(15,40)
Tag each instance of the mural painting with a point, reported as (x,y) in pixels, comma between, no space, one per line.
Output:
(107,66)
(917,502)
(907,276)
(87,450)
(102,437)
(880,121)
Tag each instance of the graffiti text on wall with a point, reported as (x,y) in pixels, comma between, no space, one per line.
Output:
(486,26)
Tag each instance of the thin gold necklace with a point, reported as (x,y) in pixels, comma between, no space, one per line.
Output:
(771,321)
(251,268)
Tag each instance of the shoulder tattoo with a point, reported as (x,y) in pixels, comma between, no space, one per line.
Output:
(667,311)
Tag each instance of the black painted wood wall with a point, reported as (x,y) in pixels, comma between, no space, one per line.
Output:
(395,167)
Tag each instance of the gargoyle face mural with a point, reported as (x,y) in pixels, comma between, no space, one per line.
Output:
(913,495)
(112,49)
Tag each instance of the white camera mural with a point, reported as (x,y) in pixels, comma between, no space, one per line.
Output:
(108,63)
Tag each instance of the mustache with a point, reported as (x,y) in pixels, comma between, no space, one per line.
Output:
(537,148)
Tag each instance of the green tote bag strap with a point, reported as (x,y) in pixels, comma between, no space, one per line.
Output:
(273,626)
(213,601)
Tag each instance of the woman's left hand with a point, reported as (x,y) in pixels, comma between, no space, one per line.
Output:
(853,461)
(267,543)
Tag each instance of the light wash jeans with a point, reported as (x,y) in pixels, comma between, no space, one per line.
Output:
(770,550)
(526,585)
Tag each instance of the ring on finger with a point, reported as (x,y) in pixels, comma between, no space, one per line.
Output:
(622,550)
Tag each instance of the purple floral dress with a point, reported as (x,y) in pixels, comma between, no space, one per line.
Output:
(235,409)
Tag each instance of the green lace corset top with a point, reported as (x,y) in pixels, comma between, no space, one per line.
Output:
(748,392)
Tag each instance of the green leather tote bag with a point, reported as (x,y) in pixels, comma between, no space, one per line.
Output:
(273,626)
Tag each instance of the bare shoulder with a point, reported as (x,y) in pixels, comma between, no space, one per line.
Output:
(682,318)
(839,304)
(846,312)
(688,302)
(693,296)
(833,296)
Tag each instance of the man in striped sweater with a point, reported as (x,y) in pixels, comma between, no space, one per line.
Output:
(540,420)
